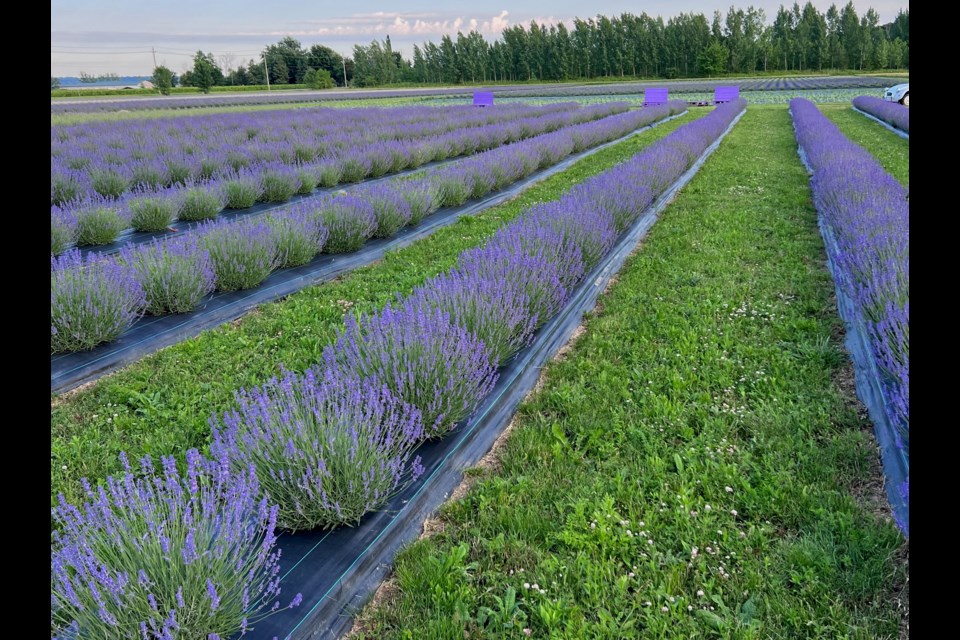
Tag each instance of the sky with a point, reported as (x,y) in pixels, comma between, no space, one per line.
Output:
(124,37)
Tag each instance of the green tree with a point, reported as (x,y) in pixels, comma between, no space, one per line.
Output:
(54,83)
(318,79)
(712,61)
(321,57)
(287,61)
(163,79)
(205,73)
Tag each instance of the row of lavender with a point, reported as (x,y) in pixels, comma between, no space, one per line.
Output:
(893,113)
(192,556)
(866,213)
(551,90)
(96,299)
(107,204)
(111,159)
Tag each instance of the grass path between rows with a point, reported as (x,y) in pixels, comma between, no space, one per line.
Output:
(695,466)
(890,150)
(161,404)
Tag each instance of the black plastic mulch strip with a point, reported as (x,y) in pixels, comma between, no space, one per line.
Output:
(180,228)
(899,132)
(867,377)
(338,570)
(150,333)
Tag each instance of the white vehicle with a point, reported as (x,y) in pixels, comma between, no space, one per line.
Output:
(898,93)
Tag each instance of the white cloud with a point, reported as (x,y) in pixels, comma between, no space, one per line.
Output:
(399,24)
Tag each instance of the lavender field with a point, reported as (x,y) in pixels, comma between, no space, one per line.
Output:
(686,466)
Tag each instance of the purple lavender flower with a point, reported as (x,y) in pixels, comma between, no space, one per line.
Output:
(92,300)
(99,221)
(175,274)
(421,197)
(423,357)
(350,221)
(389,207)
(328,446)
(63,229)
(242,191)
(202,202)
(279,183)
(242,254)
(299,234)
(153,210)
(496,311)
(202,547)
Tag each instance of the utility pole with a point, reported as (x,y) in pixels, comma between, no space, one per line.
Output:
(266,73)
(344,61)
(154,51)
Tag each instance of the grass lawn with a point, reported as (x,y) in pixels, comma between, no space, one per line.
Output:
(890,150)
(696,466)
(161,404)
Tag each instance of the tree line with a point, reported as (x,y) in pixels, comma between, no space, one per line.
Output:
(800,39)
(688,45)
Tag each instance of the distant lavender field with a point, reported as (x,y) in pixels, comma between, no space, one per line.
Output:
(515,91)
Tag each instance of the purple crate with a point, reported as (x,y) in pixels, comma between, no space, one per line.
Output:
(725,94)
(655,96)
(483,98)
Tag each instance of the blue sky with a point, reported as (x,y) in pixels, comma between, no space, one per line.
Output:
(116,36)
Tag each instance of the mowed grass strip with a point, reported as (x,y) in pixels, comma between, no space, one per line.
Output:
(890,150)
(691,468)
(161,404)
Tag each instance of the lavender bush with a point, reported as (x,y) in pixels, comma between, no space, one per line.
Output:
(65,186)
(423,357)
(157,554)
(201,203)
(279,185)
(328,447)
(309,179)
(541,242)
(585,224)
(63,229)
(99,223)
(243,254)
(350,221)
(299,236)
(389,207)
(535,279)
(496,311)
(243,191)
(353,166)
(175,274)
(329,173)
(91,301)
(421,197)
(453,186)
(154,212)
(109,183)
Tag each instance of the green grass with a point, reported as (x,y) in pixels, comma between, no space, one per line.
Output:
(890,150)
(160,405)
(706,384)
